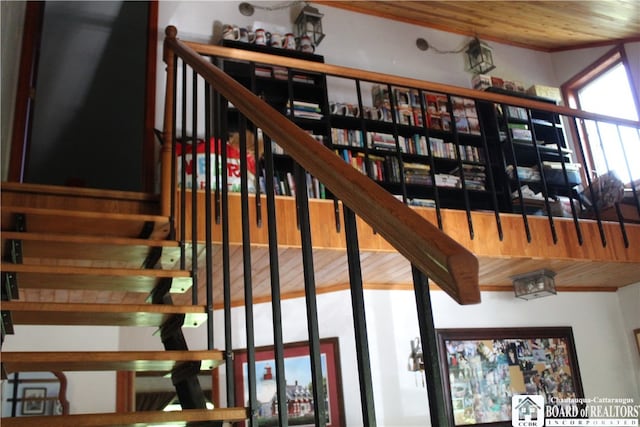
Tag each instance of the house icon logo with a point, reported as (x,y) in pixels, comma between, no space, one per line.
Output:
(527,410)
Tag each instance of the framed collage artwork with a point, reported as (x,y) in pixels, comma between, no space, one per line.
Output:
(483,368)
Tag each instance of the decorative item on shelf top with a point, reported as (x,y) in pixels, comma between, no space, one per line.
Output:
(309,23)
(479,56)
(535,284)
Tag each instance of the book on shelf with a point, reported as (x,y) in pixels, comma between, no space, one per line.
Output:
(381,141)
(303,78)
(262,71)
(376,168)
(447,180)
(425,203)
(280,73)
(305,110)
(350,137)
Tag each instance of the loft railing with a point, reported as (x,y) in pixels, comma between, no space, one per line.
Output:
(571,193)
(204,92)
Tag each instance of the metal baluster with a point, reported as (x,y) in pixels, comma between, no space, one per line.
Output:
(246,264)
(359,319)
(194,189)
(310,294)
(281,390)
(435,389)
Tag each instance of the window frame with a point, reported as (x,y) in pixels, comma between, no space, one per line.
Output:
(570,90)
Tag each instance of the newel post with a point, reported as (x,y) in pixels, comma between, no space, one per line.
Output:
(166,154)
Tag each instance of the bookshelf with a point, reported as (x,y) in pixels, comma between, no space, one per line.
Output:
(301,96)
(425,148)
(538,165)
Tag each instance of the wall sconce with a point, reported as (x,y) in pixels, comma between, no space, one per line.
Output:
(480,58)
(416,361)
(309,23)
(535,284)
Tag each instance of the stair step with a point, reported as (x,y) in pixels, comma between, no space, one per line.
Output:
(76,198)
(44,313)
(139,361)
(63,221)
(130,418)
(94,278)
(78,247)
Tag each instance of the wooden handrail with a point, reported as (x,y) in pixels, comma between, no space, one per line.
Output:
(445,261)
(354,73)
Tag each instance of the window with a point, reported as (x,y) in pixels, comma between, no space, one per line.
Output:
(605,88)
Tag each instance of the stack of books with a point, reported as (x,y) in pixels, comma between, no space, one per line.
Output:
(474,176)
(381,141)
(280,73)
(417,173)
(263,71)
(305,110)
(447,180)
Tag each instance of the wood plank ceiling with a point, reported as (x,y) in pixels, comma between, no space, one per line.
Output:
(539,25)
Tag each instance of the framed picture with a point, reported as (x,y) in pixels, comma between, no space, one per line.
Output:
(297,366)
(483,368)
(636,332)
(34,400)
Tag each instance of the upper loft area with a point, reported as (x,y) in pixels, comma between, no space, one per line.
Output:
(463,173)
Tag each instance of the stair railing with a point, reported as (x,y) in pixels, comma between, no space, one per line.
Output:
(432,253)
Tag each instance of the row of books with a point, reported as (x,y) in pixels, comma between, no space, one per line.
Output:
(417,173)
(408,109)
(447,150)
(350,137)
(281,73)
(284,185)
(388,169)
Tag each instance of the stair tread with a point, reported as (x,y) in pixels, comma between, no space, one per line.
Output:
(130,418)
(50,313)
(84,222)
(96,278)
(35,361)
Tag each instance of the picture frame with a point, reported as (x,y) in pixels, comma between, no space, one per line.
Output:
(297,364)
(34,400)
(483,368)
(636,333)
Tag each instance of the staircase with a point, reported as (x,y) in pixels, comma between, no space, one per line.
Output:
(90,257)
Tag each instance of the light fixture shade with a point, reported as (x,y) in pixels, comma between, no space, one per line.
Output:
(536,284)
(479,56)
(309,23)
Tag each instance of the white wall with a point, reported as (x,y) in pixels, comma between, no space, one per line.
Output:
(359,41)
(601,322)
(87,392)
